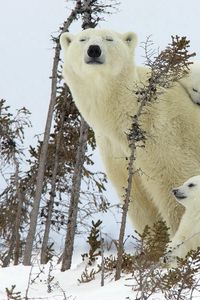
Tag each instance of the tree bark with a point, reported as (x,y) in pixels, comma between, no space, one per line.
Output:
(44,149)
(18,215)
(14,249)
(75,193)
(120,246)
(43,258)
(42,164)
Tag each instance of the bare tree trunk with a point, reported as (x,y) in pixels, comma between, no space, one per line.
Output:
(7,258)
(42,164)
(102,259)
(18,214)
(44,149)
(17,232)
(75,193)
(14,249)
(120,246)
(43,258)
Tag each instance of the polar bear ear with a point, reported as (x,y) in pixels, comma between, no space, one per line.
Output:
(65,39)
(131,39)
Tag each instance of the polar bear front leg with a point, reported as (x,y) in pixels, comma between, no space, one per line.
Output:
(170,210)
(142,210)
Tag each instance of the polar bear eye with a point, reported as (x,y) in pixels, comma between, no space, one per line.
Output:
(191,185)
(194,90)
(109,39)
(82,39)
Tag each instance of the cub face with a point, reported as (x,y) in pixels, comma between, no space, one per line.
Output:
(191,82)
(194,88)
(188,194)
(97,51)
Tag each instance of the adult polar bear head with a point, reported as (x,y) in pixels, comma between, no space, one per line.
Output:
(95,50)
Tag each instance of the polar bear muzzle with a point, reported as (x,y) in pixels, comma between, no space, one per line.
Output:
(178,194)
(94,55)
(94,51)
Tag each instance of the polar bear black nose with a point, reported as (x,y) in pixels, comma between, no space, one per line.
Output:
(175,191)
(94,51)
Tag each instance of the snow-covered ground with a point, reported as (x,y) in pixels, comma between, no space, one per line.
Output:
(65,285)
(49,283)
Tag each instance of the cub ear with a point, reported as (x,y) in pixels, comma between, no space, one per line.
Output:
(130,38)
(65,39)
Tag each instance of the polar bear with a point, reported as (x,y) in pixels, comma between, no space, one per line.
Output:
(191,82)
(187,236)
(100,70)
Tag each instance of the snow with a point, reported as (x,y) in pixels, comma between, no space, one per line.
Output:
(66,281)
(65,285)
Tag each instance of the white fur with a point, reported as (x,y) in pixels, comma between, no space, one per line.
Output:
(104,94)
(192,82)
(187,236)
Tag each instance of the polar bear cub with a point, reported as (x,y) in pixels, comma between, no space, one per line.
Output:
(191,82)
(187,236)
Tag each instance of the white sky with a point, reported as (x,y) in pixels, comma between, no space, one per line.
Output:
(26,51)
